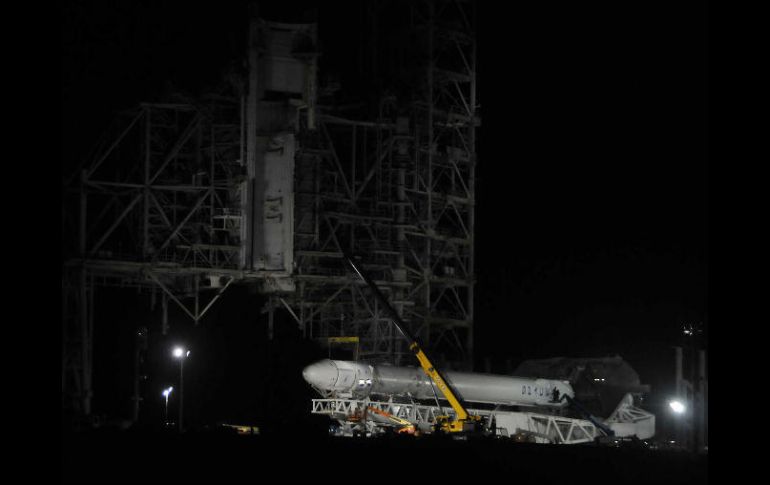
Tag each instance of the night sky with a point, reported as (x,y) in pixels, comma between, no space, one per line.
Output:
(591,228)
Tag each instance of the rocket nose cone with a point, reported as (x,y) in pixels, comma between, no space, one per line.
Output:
(322,374)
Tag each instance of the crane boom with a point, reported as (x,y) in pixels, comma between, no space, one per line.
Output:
(463,421)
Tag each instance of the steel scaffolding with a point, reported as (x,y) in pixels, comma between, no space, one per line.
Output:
(166,203)
(399,190)
(158,207)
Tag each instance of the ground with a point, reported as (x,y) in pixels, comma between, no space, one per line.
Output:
(294,457)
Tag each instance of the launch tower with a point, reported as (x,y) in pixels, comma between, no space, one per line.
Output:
(267,180)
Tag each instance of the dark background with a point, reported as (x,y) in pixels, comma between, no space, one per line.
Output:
(591,228)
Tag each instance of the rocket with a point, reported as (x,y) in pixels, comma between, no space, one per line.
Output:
(358,380)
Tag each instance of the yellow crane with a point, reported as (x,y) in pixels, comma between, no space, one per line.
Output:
(463,421)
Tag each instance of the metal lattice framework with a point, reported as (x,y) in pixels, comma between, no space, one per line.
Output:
(179,189)
(541,428)
(401,191)
(161,203)
(626,420)
(157,206)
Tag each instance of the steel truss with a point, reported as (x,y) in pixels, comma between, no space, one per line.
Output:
(157,207)
(537,427)
(181,191)
(399,190)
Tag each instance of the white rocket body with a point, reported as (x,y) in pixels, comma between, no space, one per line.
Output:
(358,380)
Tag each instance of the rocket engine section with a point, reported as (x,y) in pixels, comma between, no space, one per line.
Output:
(357,380)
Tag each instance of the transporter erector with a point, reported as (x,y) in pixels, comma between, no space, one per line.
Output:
(367,399)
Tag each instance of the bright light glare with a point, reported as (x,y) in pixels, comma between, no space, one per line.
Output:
(178,352)
(187,354)
(677,406)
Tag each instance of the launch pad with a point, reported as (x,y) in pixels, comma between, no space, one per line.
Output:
(268,184)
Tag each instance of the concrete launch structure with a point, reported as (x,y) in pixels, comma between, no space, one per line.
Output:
(360,380)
